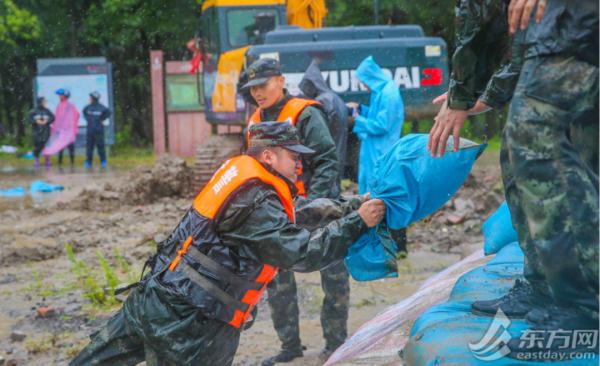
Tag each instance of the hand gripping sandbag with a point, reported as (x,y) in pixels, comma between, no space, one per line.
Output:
(498,230)
(413,185)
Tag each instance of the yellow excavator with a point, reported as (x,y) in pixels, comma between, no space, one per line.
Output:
(228,28)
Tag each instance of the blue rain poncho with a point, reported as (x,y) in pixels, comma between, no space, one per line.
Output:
(378,126)
(413,185)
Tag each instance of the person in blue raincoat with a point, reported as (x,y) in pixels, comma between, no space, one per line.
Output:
(378,125)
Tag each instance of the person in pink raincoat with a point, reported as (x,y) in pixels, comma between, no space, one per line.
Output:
(64,129)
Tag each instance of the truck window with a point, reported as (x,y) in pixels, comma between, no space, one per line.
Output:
(210,30)
(245,26)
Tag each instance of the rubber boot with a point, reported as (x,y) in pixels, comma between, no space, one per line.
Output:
(87,165)
(36,164)
(103,165)
(47,162)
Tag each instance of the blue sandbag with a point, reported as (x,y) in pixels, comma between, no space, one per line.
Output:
(498,230)
(12,192)
(373,256)
(413,185)
(41,186)
(441,335)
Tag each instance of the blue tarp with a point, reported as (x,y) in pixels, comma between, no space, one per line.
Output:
(449,334)
(498,230)
(37,186)
(41,186)
(413,185)
(12,192)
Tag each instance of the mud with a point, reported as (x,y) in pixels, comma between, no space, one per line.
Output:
(122,214)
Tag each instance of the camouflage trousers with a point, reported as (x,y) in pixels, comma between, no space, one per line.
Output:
(157,327)
(283,302)
(549,162)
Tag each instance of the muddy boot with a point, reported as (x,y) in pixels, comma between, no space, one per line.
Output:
(285,355)
(557,333)
(325,354)
(36,164)
(521,299)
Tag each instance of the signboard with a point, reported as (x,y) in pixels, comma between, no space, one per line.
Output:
(80,76)
(182,93)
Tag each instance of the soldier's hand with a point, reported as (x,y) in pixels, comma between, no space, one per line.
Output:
(519,12)
(372,212)
(448,121)
(440,99)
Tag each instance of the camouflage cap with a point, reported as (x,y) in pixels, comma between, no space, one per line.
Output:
(260,71)
(282,134)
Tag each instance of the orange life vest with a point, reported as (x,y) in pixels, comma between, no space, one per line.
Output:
(226,181)
(290,113)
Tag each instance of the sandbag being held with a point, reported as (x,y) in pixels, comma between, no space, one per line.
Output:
(413,185)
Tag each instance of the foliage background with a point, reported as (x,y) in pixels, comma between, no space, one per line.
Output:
(124,31)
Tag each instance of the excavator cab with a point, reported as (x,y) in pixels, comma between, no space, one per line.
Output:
(227,29)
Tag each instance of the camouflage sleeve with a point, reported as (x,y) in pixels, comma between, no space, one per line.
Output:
(323,164)
(500,88)
(472,18)
(319,212)
(262,231)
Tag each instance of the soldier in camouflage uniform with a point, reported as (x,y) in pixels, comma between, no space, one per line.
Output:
(320,176)
(549,162)
(180,313)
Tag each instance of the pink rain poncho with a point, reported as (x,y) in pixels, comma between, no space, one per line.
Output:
(64,128)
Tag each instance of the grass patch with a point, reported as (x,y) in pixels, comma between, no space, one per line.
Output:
(119,157)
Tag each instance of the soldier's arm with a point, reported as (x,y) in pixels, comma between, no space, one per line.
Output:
(319,212)
(471,26)
(257,225)
(323,164)
(500,88)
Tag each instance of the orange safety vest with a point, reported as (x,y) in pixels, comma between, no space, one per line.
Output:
(290,113)
(226,181)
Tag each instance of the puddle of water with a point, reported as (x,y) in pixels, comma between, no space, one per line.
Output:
(73,181)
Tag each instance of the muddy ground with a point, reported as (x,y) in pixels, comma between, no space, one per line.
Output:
(45,318)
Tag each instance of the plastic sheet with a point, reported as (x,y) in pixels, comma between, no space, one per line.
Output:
(378,341)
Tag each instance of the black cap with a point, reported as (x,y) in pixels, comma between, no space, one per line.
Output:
(282,134)
(261,71)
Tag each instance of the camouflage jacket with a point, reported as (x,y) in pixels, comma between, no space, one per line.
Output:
(321,168)
(567,27)
(482,46)
(256,224)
